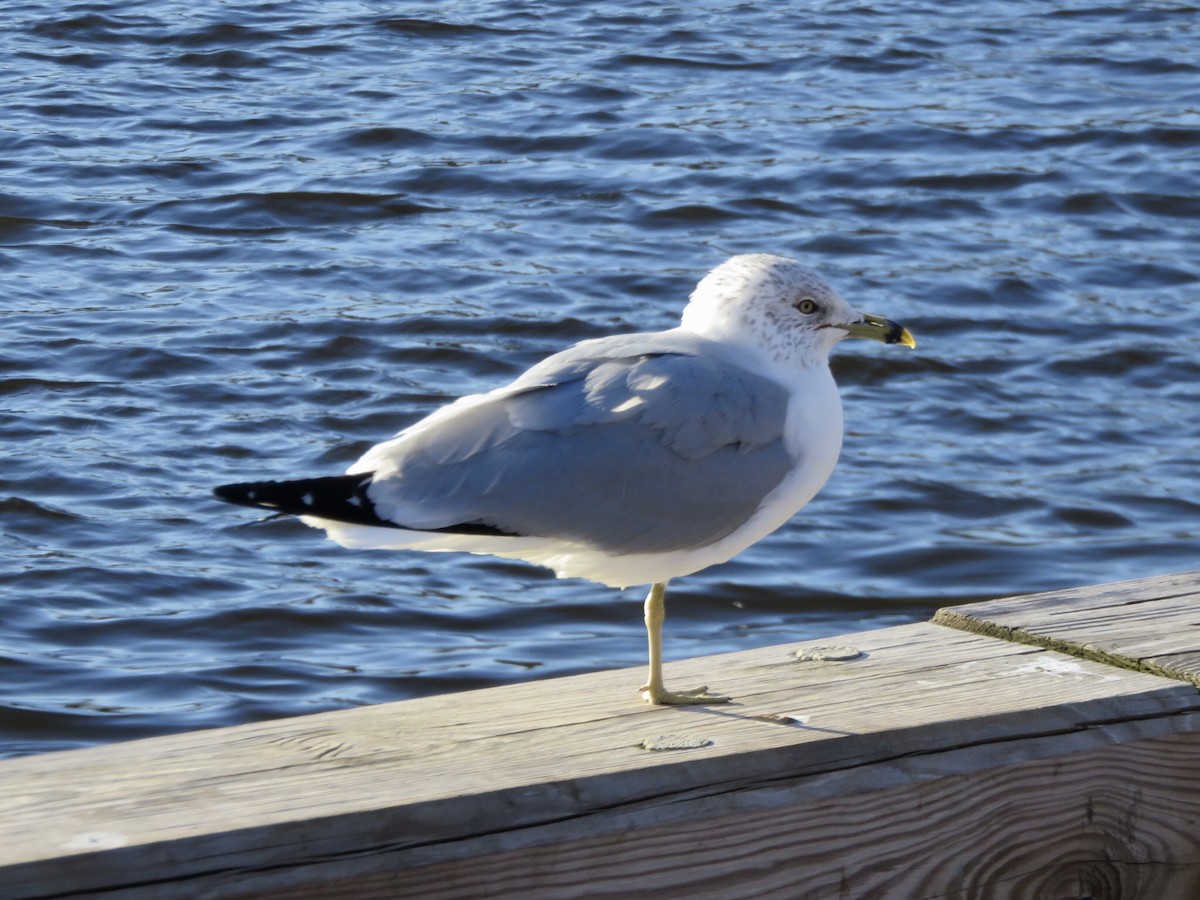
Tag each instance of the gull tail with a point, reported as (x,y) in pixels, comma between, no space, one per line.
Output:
(342,498)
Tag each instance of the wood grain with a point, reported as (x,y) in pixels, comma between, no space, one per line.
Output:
(1108,823)
(1149,625)
(900,749)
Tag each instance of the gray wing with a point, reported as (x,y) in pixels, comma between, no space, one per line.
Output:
(628,446)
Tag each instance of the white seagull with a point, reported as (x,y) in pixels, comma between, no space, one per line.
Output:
(629,459)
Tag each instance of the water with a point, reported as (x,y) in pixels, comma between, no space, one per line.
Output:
(249,240)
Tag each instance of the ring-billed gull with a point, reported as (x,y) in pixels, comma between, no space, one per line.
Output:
(630,459)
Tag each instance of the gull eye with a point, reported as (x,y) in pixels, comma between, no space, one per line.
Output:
(808,306)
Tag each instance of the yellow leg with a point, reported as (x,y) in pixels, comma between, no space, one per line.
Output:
(653,690)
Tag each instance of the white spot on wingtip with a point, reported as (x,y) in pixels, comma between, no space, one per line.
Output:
(307,499)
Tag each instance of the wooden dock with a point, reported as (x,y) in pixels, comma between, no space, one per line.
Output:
(1036,747)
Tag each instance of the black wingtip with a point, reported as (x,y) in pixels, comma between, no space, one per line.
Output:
(276,495)
(342,498)
(235,493)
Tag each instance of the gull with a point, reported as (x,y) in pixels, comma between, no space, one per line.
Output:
(629,459)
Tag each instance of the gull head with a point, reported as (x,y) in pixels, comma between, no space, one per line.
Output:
(781,311)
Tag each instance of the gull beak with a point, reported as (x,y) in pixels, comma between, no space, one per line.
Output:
(877,328)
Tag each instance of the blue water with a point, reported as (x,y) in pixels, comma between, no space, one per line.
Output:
(249,240)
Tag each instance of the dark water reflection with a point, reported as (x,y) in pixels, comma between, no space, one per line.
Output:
(254,240)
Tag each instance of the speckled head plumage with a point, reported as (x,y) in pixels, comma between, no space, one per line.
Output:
(775,306)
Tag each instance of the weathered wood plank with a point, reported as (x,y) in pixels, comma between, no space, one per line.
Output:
(1150,625)
(1036,829)
(363,798)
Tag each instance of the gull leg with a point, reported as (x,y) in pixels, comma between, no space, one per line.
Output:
(653,690)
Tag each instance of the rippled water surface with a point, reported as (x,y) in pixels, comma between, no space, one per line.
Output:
(249,240)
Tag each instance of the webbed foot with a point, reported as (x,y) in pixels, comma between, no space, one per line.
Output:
(698,696)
